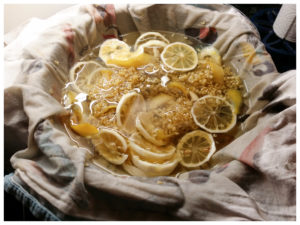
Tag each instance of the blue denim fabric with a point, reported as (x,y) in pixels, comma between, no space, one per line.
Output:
(35,207)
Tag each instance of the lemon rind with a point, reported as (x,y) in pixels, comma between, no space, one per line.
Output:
(123,99)
(211,151)
(179,69)
(136,45)
(154,169)
(146,135)
(148,154)
(211,52)
(106,58)
(123,143)
(73,77)
(133,170)
(233,122)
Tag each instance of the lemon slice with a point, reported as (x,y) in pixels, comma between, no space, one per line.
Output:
(111,145)
(196,148)
(149,151)
(153,47)
(133,170)
(130,59)
(193,96)
(179,86)
(84,129)
(159,101)
(179,56)
(104,73)
(217,72)
(112,47)
(235,98)
(147,129)
(155,169)
(80,74)
(149,36)
(212,54)
(128,107)
(213,114)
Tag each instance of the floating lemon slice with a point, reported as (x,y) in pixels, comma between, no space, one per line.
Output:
(128,107)
(84,129)
(217,72)
(193,96)
(80,73)
(155,169)
(130,59)
(212,54)
(196,148)
(149,151)
(150,36)
(213,114)
(111,145)
(159,101)
(104,73)
(235,98)
(179,56)
(112,47)
(153,47)
(151,133)
(179,86)
(133,170)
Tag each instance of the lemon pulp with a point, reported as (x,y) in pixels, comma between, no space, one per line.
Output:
(196,148)
(179,56)
(214,114)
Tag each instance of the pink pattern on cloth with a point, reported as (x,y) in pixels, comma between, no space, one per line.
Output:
(108,36)
(105,13)
(208,34)
(249,152)
(110,17)
(203,32)
(70,35)
(94,13)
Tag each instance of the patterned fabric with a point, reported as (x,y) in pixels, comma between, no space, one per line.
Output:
(253,178)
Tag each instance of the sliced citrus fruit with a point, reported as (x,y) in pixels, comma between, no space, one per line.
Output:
(155,169)
(193,96)
(128,107)
(153,47)
(196,148)
(179,86)
(104,73)
(235,98)
(151,133)
(80,73)
(112,47)
(111,145)
(179,56)
(108,108)
(160,100)
(69,98)
(133,170)
(213,114)
(149,36)
(149,151)
(212,54)
(84,129)
(130,59)
(217,72)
